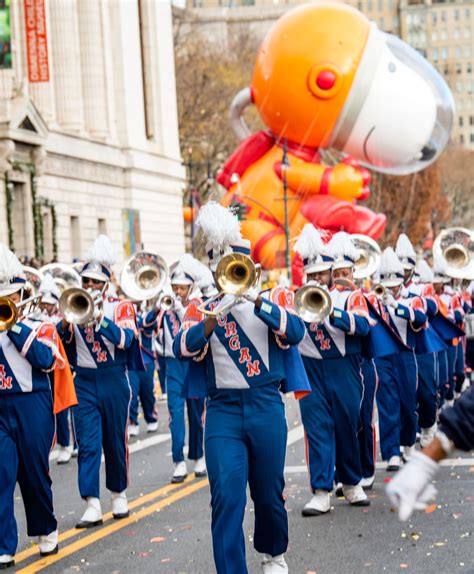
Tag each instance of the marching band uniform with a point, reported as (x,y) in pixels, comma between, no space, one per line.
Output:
(142,382)
(331,353)
(246,431)
(176,373)
(28,351)
(103,352)
(398,373)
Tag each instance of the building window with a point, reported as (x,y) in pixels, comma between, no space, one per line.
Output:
(467,13)
(75,237)
(456,14)
(467,51)
(434,18)
(395,22)
(444,35)
(469,86)
(380,5)
(461,123)
(461,139)
(435,54)
(369,5)
(456,33)
(102,226)
(459,86)
(469,68)
(471,120)
(471,138)
(443,16)
(381,23)
(434,35)
(457,52)
(444,53)
(467,32)
(458,69)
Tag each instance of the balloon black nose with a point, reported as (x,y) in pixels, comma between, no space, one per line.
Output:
(427,153)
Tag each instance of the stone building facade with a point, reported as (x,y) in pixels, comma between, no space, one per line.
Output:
(95,148)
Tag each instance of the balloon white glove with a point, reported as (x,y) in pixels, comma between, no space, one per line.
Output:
(411,488)
(252,294)
(390,300)
(226,304)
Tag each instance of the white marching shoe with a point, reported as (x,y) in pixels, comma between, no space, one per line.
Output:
(393,463)
(427,435)
(368,483)
(93,514)
(180,472)
(119,505)
(448,404)
(274,564)
(48,543)
(133,430)
(64,454)
(6,560)
(355,495)
(319,504)
(152,427)
(200,467)
(408,452)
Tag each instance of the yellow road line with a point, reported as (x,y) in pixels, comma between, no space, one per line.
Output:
(67,534)
(114,527)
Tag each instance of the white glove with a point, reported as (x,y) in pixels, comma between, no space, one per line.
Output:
(98,316)
(226,304)
(179,308)
(390,300)
(252,294)
(411,488)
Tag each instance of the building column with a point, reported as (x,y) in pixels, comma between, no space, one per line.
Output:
(92,67)
(67,64)
(7,147)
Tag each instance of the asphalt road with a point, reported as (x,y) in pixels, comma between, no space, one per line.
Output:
(169,527)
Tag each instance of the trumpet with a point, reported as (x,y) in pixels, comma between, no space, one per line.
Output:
(77,305)
(166,302)
(379,290)
(235,274)
(10,311)
(313,303)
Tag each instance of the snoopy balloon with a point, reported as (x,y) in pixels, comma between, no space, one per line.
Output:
(327,78)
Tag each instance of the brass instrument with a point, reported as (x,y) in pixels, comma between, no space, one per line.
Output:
(64,276)
(235,274)
(369,256)
(166,302)
(77,306)
(456,247)
(10,311)
(346,283)
(379,290)
(313,303)
(143,276)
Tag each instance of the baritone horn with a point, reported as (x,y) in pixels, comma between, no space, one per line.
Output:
(64,276)
(456,247)
(369,256)
(143,276)
(313,303)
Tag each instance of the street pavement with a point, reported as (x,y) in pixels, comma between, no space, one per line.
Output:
(168,530)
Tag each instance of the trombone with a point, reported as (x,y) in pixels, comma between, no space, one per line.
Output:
(313,303)
(235,274)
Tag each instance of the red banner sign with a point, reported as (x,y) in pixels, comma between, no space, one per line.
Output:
(36,41)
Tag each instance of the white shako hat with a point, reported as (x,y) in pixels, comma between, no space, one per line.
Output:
(185,270)
(222,231)
(424,272)
(390,269)
(439,270)
(49,290)
(205,281)
(405,252)
(342,249)
(12,276)
(100,259)
(312,250)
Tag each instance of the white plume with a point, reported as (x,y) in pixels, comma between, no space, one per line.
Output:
(341,245)
(404,247)
(424,271)
(48,285)
(309,243)
(204,276)
(389,263)
(102,251)
(439,265)
(220,226)
(10,266)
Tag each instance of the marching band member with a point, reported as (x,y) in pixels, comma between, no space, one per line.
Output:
(344,253)
(142,382)
(398,373)
(103,351)
(28,351)
(182,282)
(242,358)
(331,353)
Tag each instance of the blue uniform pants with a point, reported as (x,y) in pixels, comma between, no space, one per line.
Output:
(246,443)
(449,390)
(427,391)
(26,438)
(100,421)
(459,367)
(142,385)
(162,373)
(367,444)
(175,376)
(396,402)
(442,375)
(63,429)
(331,419)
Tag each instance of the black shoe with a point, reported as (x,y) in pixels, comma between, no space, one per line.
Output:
(338,492)
(121,515)
(88,523)
(200,474)
(365,502)
(178,479)
(5,565)
(393,467)
(51,552)
(313,512)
